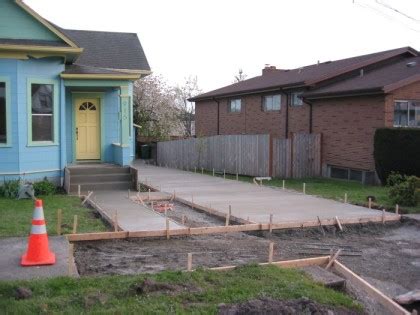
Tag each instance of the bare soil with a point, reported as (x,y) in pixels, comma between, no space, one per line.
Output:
(289,307)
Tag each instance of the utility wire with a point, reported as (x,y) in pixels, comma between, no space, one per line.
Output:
(396,10)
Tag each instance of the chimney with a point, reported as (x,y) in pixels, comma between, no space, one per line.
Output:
(268,69)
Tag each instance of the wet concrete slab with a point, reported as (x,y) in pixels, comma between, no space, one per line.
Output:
(131,216)
(13,248)
(248,200)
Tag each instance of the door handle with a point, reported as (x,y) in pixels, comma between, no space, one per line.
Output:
(77,133)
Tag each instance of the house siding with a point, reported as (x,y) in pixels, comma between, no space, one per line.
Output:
(348,126)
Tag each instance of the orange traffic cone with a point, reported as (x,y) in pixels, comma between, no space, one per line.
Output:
(38,252)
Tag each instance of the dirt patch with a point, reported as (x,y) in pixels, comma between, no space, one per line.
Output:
(288,307)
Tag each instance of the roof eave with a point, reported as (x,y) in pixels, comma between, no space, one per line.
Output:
(356,92)
(248,92)
(96,76)
(34,48)
(396,85)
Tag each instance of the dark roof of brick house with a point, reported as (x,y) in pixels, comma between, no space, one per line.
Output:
(303,76)
(375,80)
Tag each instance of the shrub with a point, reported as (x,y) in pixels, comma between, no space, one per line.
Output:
(395,179)
(403,192)
(10,188)
(44,188)
(398,150)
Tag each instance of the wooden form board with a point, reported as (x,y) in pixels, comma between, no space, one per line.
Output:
(373,292)
(223,229)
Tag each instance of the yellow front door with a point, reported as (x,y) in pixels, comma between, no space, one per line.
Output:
(88,140)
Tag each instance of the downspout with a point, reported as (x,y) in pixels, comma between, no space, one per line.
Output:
(287,115)
(218,115)
(310,113)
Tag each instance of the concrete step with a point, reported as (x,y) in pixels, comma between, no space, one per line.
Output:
(100,178)
(98,170)
(101,186)
(325,277)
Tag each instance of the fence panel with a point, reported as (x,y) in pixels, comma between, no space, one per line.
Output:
(306,154)
(242,154)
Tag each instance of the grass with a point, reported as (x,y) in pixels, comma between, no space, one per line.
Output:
(16,216)
(205,290)
(330,188)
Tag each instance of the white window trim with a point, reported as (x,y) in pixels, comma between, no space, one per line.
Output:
(8,142)
(55,115)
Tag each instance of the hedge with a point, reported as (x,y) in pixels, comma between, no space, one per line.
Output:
(398,150)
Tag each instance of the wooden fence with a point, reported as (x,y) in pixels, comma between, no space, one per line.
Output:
(253,155)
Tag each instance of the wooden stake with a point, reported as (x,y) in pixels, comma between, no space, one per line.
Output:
(237,176)
(202,170)
(183,219)
(397,209)
(189,262)
(129,194)
(59,219)
(116,221)
(333,259)
(148,195)
(167,229)
(228,216)
(78,190)
(192,201)
(224,174)
(284,184)
(75,224)
(270,228)
(338,223)
(152,204)
(345,198)
(304,188)
(195,170)
(383,216)
(70,259)
(270,252)
(321,227)
(213,171)
(370,203)
(87,197)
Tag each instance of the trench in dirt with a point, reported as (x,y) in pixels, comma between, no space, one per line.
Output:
(388,256)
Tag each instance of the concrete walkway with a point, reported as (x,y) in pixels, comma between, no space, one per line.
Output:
(12,249)
(131,216)
(247,200)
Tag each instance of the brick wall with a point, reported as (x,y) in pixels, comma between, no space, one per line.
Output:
(409,92)
(348,126)
(252,119)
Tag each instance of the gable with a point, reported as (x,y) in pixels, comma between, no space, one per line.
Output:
(16,23)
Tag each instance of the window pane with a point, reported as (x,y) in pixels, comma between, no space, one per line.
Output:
(3,129)
(340,173)
(42,128)
(414,114)
(276,102)
(401,114)
(42,98)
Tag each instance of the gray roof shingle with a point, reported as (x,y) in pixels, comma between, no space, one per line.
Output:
(303,76)
(109,50)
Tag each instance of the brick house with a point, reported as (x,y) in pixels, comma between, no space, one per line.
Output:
(344,100)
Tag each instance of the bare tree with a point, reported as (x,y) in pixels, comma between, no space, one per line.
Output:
(241,76)
(186,108)
(155,108)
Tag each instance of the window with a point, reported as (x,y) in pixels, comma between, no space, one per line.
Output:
(235,105)
(3,118)
(296,99)
(272,102)
(42,110)
(407,114)
(365,177)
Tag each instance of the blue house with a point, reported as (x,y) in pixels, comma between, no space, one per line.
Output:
(65,95)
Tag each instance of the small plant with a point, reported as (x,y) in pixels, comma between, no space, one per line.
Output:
(10,188)
(44,188)
(402,189)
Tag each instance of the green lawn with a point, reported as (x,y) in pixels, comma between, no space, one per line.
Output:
(357,193)
(16,216)
(197,292)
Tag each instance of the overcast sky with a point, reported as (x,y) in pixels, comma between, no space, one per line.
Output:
(213,39)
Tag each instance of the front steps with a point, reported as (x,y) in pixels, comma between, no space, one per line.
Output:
(94,177)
